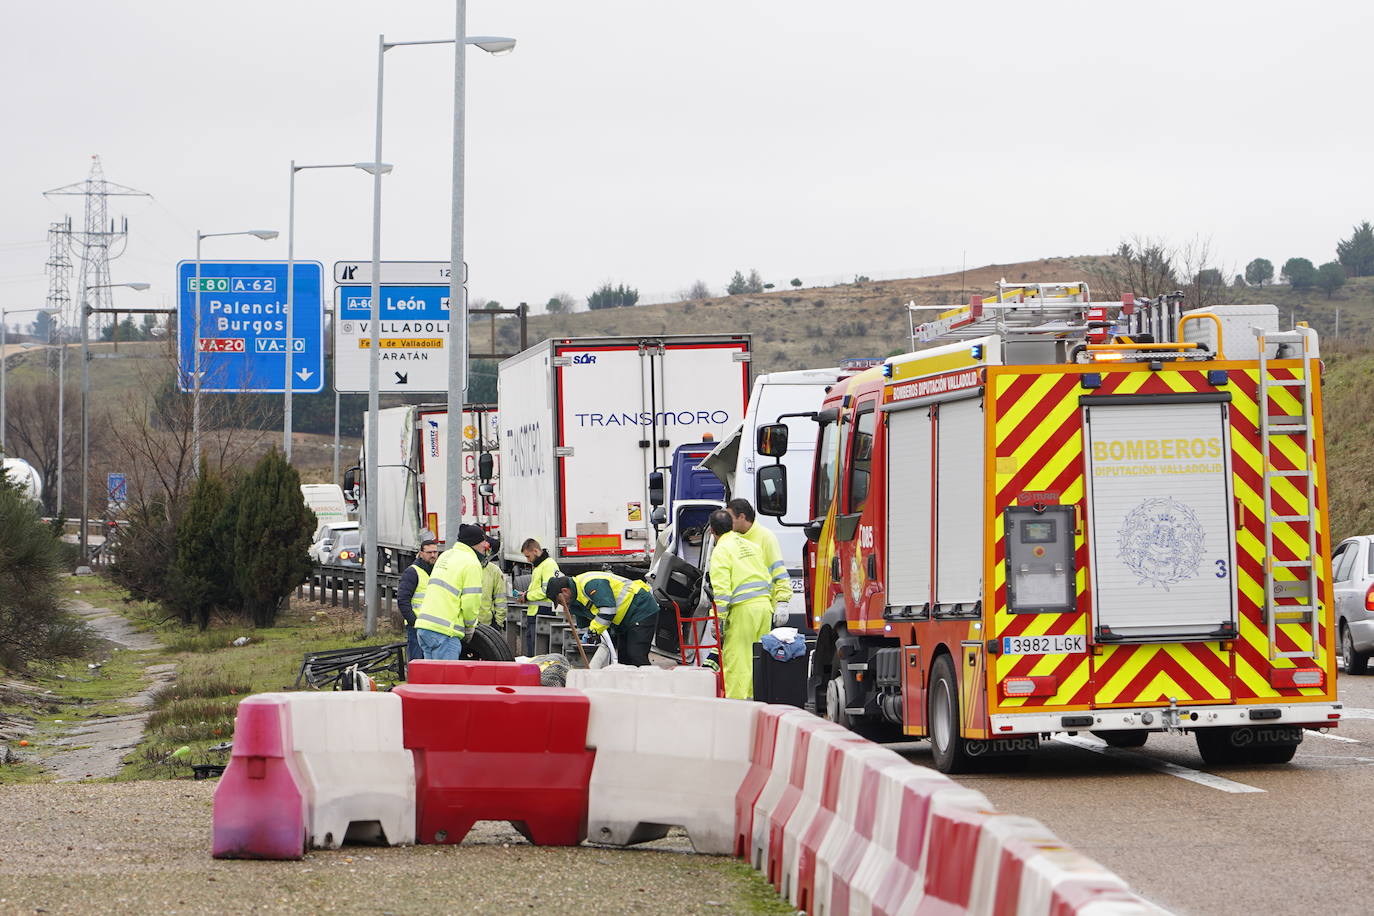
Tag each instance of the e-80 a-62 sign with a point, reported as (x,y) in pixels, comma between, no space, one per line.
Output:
(242,340)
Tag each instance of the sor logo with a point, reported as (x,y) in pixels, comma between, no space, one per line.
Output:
(584,359)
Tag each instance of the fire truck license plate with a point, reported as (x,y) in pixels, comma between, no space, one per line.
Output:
(1044,645)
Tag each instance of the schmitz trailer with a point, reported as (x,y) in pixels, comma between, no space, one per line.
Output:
(412,472)
(586,421)
(1082,517)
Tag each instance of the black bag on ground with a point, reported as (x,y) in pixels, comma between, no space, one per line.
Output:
(780,682)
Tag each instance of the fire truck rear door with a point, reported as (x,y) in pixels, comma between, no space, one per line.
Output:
(1160,526)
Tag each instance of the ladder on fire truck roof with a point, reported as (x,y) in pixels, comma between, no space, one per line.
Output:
(1018,309)
(1272,430)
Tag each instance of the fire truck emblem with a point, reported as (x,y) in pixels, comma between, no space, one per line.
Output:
(1161,542)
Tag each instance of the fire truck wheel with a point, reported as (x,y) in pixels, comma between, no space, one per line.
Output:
(946,744)
(1355,662)
(1130,737)
(835,701)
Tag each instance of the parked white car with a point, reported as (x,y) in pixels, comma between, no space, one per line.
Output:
(335,539)
(1352,566)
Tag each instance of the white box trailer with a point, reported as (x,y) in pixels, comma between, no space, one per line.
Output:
(586,420)
(412,472)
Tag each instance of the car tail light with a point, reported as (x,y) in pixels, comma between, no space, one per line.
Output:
(1369,599)
(1015,687)
(1297,677)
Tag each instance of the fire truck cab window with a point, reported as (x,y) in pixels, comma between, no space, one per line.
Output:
(826,458)
(861,458)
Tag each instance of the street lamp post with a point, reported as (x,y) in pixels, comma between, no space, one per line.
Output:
(457,329)
(265,235)
(291,286)
(86,400)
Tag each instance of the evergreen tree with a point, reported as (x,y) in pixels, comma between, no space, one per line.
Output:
(1259,272)
(1299,273)
(737,284)
(1356,254)
(1330,277)
(272,531)
(204,573)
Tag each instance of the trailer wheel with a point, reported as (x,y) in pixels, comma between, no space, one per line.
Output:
(1128,737)
(486,644)
(946,744)
(1355,662)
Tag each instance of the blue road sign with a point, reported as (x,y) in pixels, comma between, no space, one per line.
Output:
(399,303)
(243,326)
(117,485)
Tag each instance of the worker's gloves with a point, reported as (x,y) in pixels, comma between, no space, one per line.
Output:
(598,627)
(781,615)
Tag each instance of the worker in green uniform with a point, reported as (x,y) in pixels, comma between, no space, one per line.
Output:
(604,601)
(542,568)
(742,512)
(743,593)
(494,589)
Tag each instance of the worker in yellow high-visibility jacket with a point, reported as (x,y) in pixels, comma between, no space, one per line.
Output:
(542,568)
(744,602)
(742,513)
(453,597)
(603,601)
(494,588)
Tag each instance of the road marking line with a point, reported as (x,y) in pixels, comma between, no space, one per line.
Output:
(1330,737)
(1210,780)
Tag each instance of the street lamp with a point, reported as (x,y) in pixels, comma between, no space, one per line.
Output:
(4,328)
(140,286)
(369,167)
(264,234)
(457,329)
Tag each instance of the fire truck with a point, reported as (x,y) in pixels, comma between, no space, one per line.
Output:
(1073,516)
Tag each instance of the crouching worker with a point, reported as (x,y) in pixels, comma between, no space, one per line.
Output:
(604,601)
(542,568)
(742,586)
(453,597)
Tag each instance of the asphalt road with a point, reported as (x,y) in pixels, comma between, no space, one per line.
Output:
(1201,840)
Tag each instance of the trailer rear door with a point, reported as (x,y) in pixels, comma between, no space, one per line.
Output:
(1160,523)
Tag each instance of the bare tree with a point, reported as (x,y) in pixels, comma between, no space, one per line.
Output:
(1205,283)
(1141,265)
(31,433)
(698,290)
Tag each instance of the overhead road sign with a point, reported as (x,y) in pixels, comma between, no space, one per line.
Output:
(424,273)
(413,332)
(243,326)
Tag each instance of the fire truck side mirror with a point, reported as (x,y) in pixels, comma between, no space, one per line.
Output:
(485,464)
(351,479)
(772,440)
(812,530)
(656,488)
(770,497)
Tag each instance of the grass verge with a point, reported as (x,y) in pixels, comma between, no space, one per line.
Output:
(197,711)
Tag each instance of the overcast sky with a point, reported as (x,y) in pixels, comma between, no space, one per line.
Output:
(658,144)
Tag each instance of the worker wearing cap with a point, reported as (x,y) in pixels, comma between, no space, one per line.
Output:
(453,598)
(744,602)
(742,513)
(604,601)
(542,568)
(493,586)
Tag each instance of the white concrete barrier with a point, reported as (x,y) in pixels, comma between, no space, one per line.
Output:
(358,778)
(681,681)
(664,761)
(881,856)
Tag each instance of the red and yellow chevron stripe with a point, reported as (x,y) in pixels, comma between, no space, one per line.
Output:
(1035,425)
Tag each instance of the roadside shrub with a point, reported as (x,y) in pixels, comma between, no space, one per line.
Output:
(203,575)
(33,623)
(147,554)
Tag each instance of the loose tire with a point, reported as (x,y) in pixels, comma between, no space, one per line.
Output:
(1130,737)
(486,644)
(1355,662)
(942,718)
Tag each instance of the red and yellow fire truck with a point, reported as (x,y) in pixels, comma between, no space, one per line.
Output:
(1077,516)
